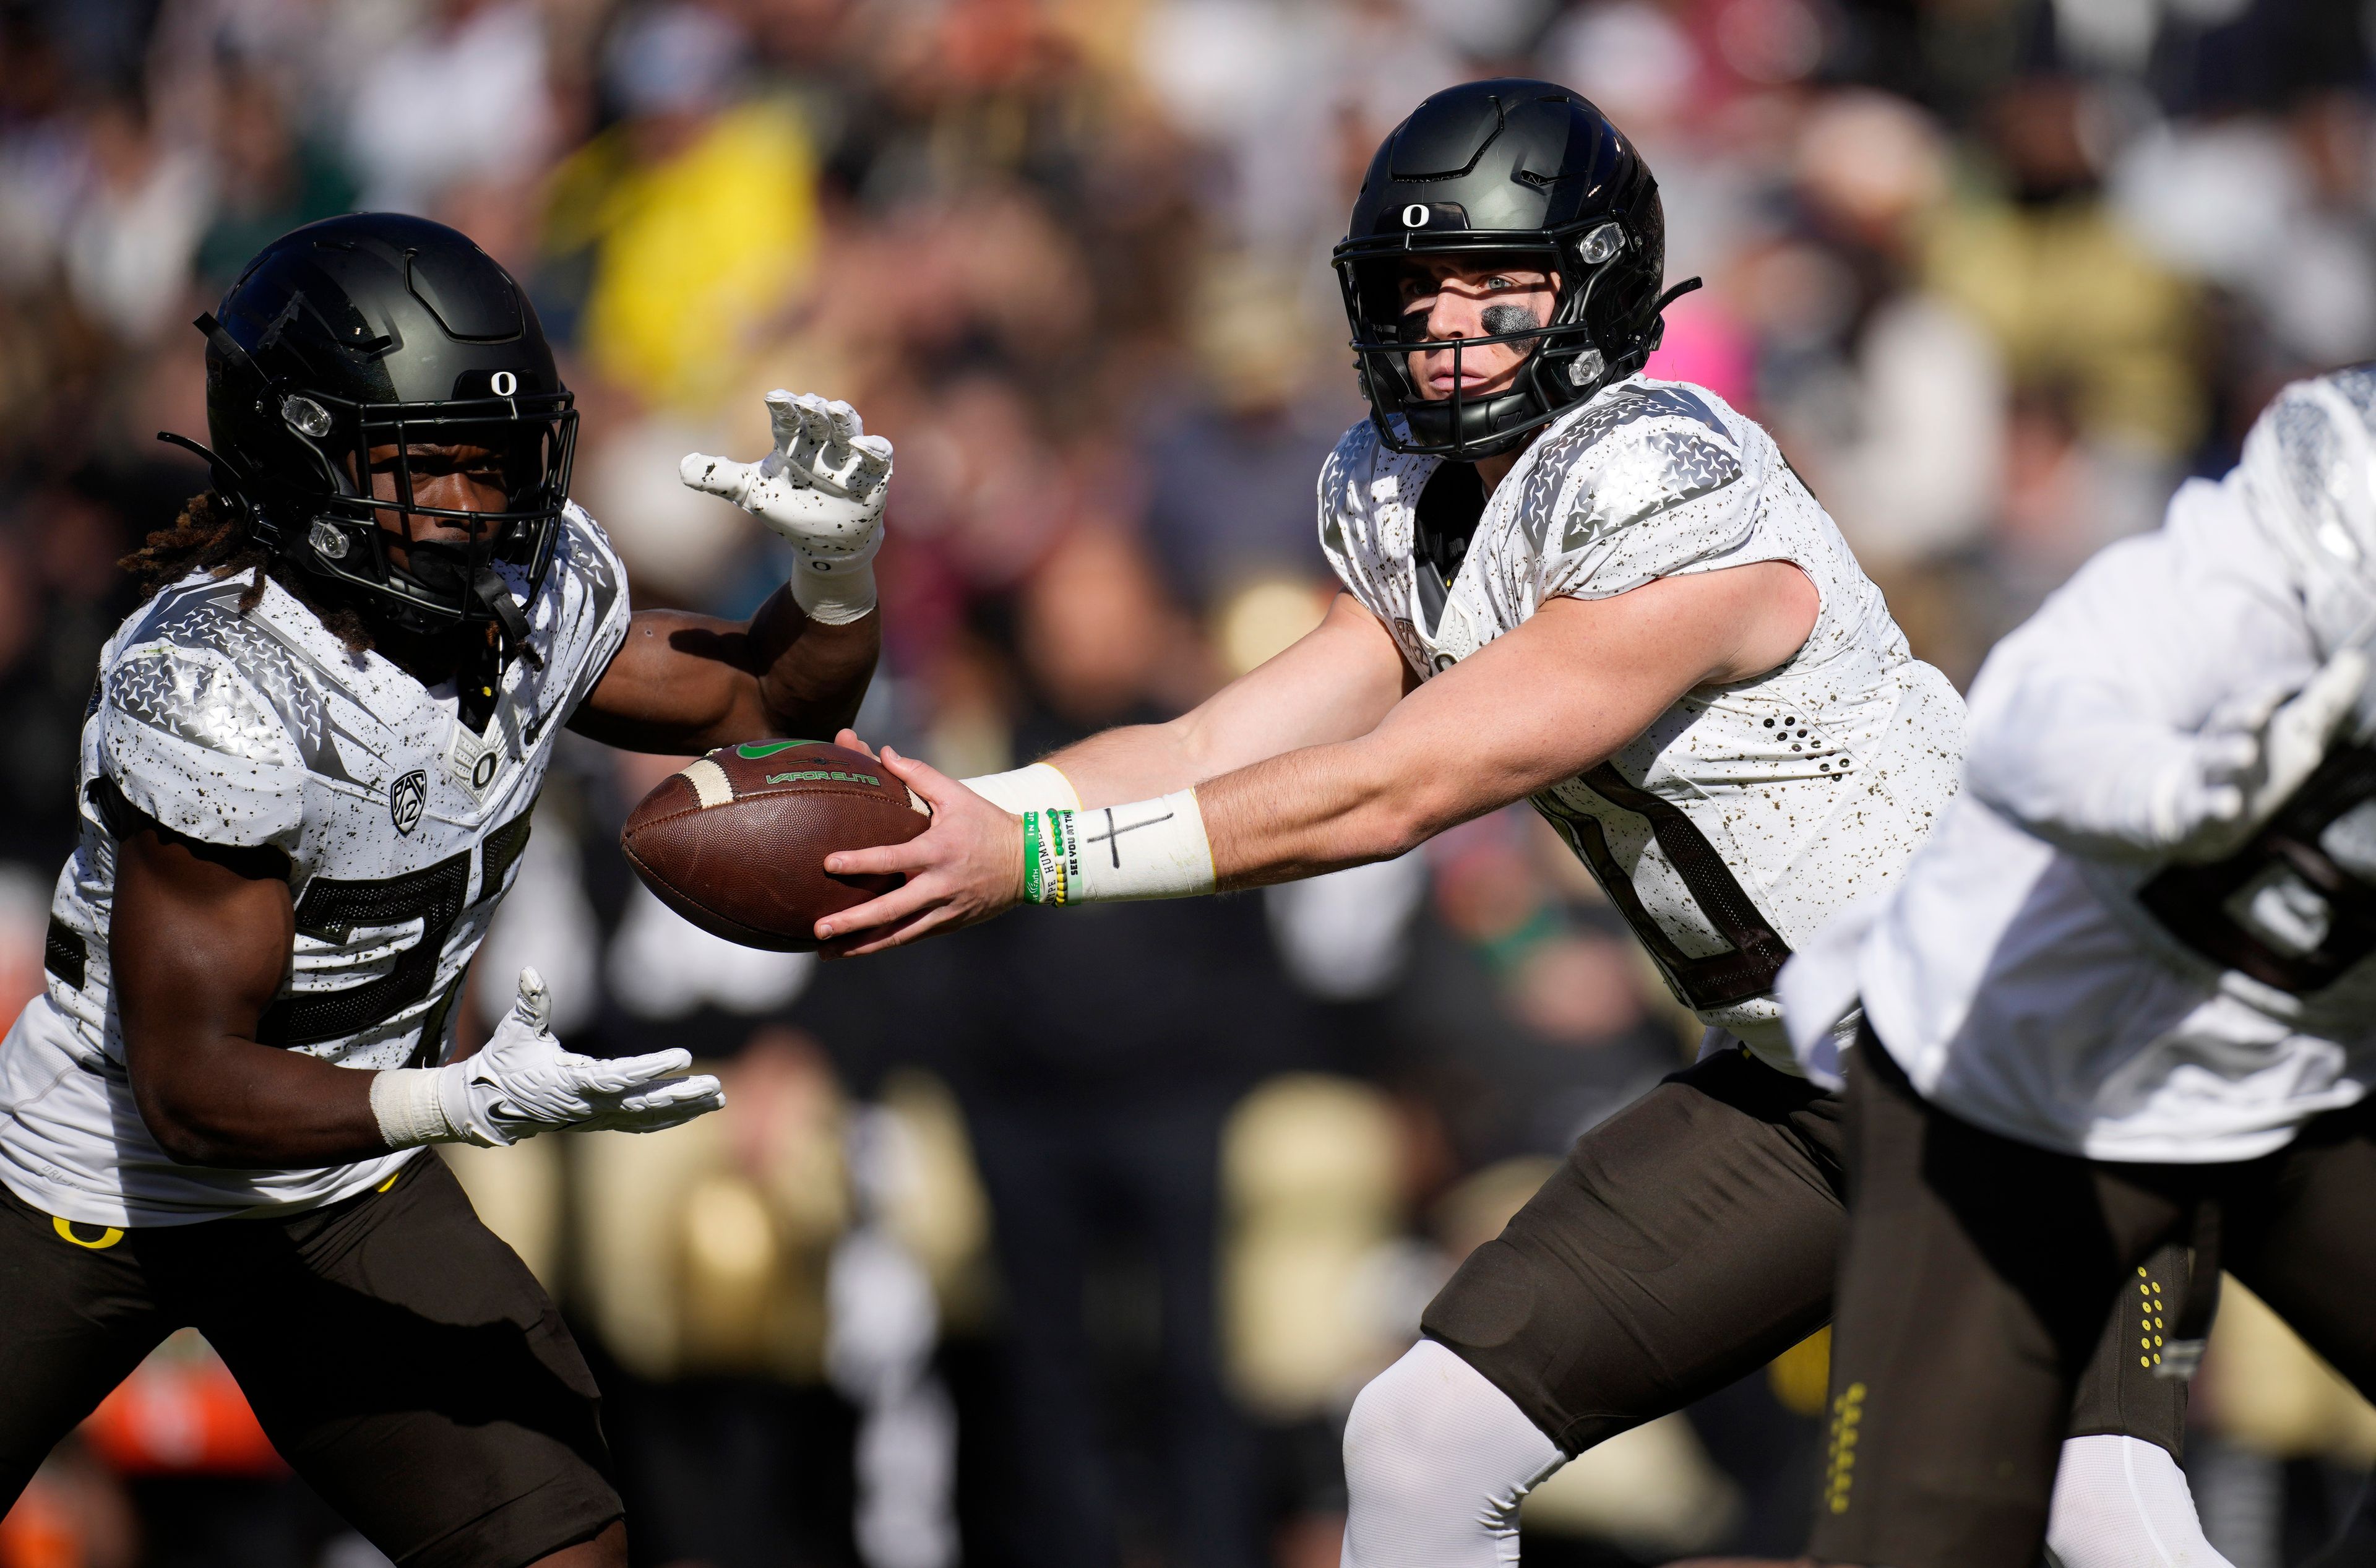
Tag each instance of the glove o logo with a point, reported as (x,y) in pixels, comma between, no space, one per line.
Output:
(405,798)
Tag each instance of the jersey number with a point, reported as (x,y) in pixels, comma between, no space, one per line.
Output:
(434,895)
(1719,980)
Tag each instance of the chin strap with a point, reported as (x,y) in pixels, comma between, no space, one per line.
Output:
(228,481)
(1659,315)
(490,590)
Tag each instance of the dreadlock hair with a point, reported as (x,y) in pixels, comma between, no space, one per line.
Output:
(211,535)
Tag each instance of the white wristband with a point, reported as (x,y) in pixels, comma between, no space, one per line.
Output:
(1146,849)
(1021,790)
(835,589)
(409,1110)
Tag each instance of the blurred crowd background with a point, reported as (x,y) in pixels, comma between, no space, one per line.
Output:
(975,1270)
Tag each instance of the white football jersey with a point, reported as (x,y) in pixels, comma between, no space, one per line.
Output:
(1737,824)
(402,830)
(2020,972)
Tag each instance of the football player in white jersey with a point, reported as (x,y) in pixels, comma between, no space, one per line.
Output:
(1608,594)
(2123,997)
(307,773)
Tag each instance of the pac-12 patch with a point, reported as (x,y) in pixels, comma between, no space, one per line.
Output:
(405,798)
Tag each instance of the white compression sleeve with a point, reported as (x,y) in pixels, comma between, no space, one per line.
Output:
(1436,1462)
(2122,1502)
(1021,790)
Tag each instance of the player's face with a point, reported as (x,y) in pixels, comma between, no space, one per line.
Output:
(1444,299)
(462,477)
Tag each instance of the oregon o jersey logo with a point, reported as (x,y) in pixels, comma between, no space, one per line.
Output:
(405,798)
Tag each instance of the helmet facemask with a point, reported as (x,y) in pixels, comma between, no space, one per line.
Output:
(1565,363)
(363,504)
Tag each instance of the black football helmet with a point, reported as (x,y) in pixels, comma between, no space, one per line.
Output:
(377,330)
(1503,167)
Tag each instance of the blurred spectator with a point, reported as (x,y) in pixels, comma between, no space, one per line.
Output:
(2071,297)
(272,179)
(1230,477)
(464,97)
(698,212)
(1902,427)
(129,245)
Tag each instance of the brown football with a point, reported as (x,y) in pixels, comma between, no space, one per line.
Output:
(736,841)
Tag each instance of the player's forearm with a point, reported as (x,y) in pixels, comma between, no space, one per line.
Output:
(815,672)
(2069,756)
(1325,808)
(1336,684)
(234,1104)
(1131,763)
(1143,761)
(684,684)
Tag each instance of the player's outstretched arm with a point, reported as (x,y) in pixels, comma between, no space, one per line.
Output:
(1335,682)
(198,945)
(1552,698)
(1559,695)
(684,682)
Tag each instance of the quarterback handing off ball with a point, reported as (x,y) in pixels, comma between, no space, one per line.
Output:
(736,842)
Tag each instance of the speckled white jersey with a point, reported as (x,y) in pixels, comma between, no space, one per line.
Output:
(2020,974)
(402,830)
(1813,784)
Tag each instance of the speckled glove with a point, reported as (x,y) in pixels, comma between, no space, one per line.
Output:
(522,1083)
(823,488)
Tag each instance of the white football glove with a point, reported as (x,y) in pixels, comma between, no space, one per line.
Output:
(522,1083)
(2246,764)
(822,488)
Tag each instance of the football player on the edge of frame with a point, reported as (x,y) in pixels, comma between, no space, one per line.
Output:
(306,777)
(2133,979)
(1608,594)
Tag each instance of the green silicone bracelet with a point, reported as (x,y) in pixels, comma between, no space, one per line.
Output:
(1031,889)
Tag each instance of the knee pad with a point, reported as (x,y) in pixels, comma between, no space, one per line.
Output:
(1436,1461)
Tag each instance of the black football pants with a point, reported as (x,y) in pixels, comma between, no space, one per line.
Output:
(400,1356)
(1688,1240)
(1982,1274)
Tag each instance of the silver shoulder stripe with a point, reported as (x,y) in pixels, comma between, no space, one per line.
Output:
(207,620)
(1681,451)
(1690,465)
(199,700)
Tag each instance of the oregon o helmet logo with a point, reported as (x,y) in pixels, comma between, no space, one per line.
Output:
(1415,216)
(502,383)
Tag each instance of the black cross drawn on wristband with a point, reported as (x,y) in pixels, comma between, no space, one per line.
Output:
(1111,836)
